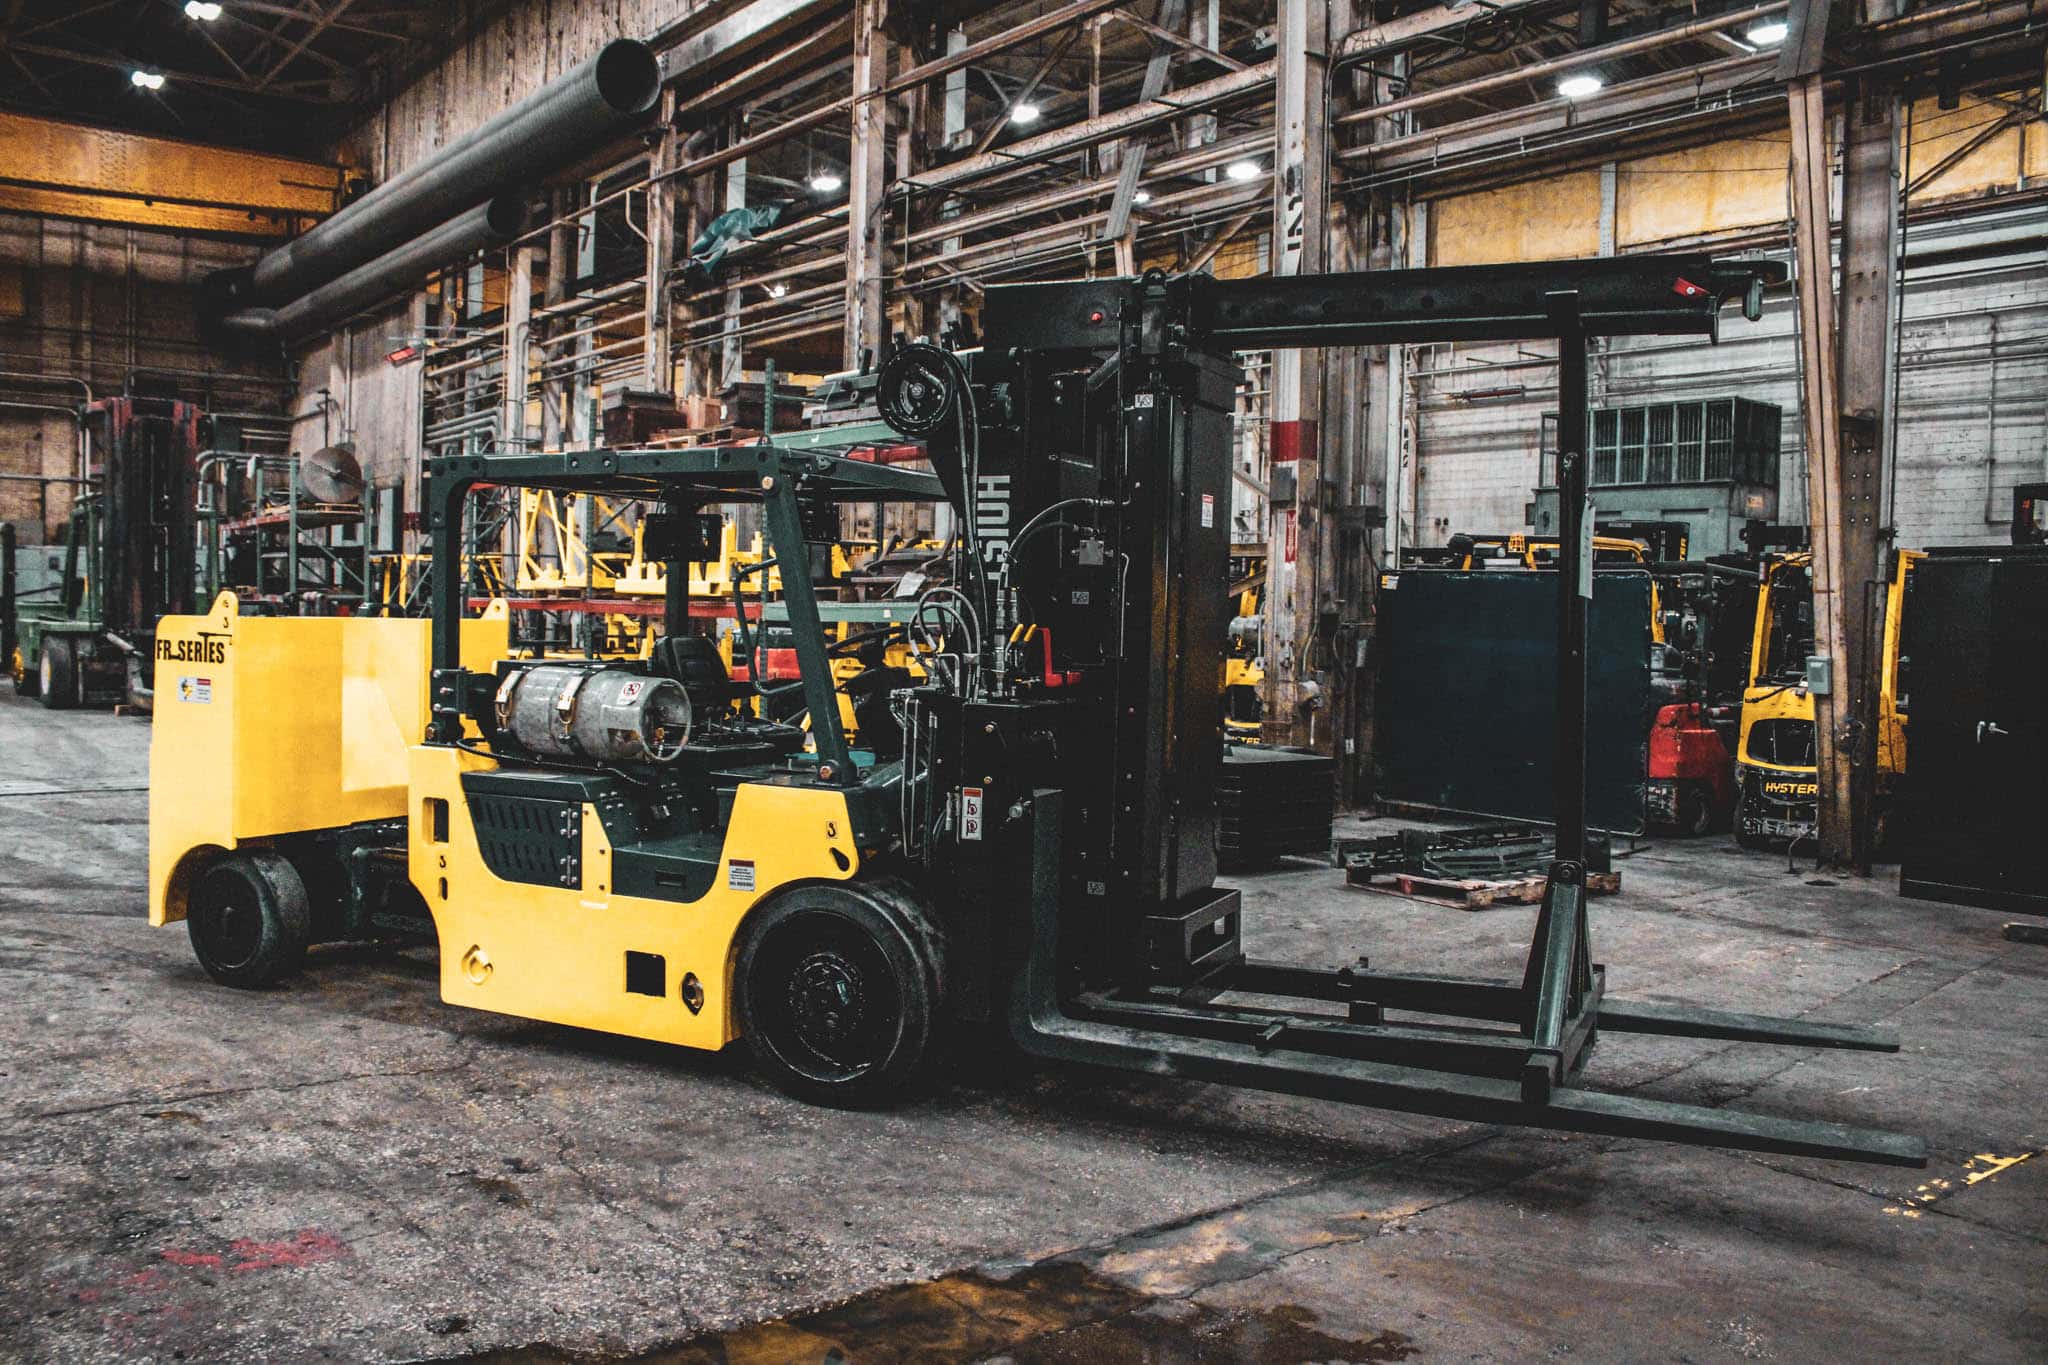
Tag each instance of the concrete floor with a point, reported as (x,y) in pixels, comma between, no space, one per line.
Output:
(345,1168)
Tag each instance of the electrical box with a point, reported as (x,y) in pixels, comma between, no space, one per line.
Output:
(1820,674)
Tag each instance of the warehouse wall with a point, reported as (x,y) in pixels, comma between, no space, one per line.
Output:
(82,306)
(1973,354)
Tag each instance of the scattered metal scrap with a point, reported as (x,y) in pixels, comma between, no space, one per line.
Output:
(1468,869)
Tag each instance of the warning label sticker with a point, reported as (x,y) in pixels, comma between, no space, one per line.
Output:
(195,689)
(631,691)
(970,812)
(1208,509)
(739,874)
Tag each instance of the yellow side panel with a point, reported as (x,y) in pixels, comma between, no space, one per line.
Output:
(2035,151)
(1556,219)
(1937,132)
(268,725)
(1726,185)
(559,954)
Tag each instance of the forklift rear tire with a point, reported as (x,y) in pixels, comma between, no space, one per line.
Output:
(26,679)
(249,919)
(57,674)
(1695,809)
(841,990)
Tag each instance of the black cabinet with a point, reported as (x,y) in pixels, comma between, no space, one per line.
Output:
(1974,813)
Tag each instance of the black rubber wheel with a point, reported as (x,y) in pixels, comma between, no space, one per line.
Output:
(249,919)
(1695,809)
(57,674)
(26,679)
(841,990)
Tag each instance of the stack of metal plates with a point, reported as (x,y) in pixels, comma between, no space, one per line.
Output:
(1272,803)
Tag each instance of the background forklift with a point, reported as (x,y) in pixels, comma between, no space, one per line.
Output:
(1777,766)
(617,845)
(130,556)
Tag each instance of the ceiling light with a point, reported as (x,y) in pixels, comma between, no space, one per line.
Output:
(1142,197)
(1768,34)
(1242,170)
(824,182)
(205,11)
(1579,86)
(777,290)
(1025,113)
(146,80)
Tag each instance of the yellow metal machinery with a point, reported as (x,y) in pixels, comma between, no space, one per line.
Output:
(1777,768)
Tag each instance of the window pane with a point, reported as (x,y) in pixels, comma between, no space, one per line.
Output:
(1659,444)
(1631,445)
(1605,428)
(1690,443)
(1720,440)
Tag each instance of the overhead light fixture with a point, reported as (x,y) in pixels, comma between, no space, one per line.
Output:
(825,182)
(1142,197)
(1769,33)
(1025,113)
(205,11)
(1242,170)
(146,80)
(1581,85)
(777,289)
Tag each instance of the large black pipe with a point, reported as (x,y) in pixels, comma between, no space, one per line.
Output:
(489,224)
(598,102)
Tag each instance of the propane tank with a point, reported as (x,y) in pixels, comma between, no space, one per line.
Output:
(604,715)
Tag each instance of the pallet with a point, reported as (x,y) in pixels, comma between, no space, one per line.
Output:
(1472,894)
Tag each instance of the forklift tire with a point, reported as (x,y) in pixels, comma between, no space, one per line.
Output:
(26,679)
(841,990)
(1695,809)
(249,919)
(57,674)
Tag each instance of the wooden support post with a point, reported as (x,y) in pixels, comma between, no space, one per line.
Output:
(658,354)
(1870,199)
(1299,536)
(1820,411)
(867,187)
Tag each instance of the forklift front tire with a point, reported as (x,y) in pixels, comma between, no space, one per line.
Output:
(249,919)
(841,991)
(57,674)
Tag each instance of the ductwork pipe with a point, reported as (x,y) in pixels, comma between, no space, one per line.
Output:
(486,225)
(600,101)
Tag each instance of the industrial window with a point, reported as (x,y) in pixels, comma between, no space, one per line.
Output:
(1632,431)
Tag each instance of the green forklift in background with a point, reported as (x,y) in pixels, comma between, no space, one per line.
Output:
(130,556)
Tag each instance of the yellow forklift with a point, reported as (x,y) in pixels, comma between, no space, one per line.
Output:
(625,845)
(1776,759)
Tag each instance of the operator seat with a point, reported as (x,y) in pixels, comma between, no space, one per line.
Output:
(721,738)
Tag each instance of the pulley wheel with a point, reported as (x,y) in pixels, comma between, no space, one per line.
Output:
(917,390)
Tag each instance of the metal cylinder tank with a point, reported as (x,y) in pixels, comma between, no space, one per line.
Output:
(603,715)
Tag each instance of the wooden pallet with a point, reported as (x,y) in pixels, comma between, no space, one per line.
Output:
(694,437)
(1473,894)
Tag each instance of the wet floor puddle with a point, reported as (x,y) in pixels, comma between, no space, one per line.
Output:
(1059,1313)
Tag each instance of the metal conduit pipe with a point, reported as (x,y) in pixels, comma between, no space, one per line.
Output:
(488,224)
(603,99)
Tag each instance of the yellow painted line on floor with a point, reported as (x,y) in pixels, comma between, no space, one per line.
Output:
(1978,1168)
